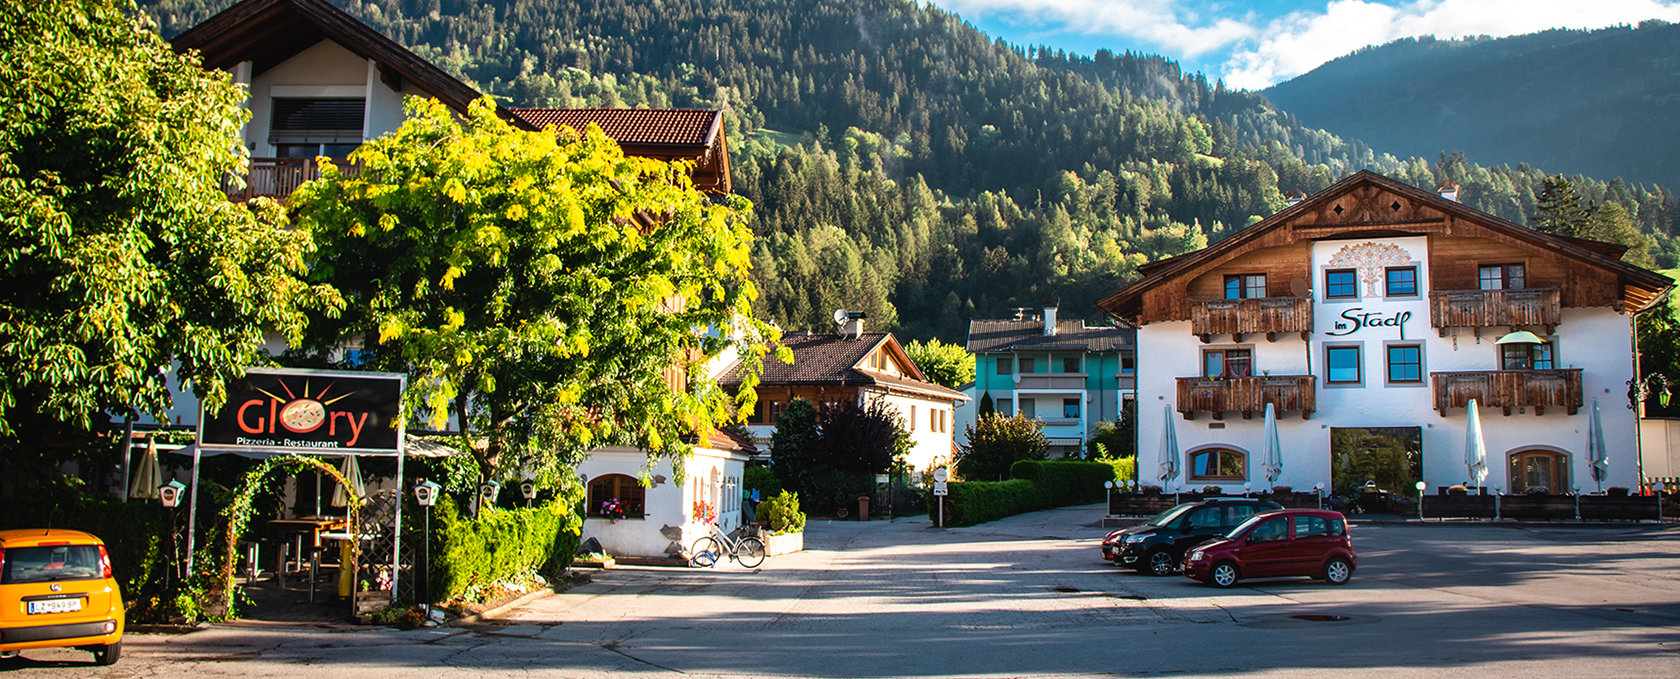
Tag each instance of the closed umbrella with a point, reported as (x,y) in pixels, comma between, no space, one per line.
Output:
(1169,450)
(1597,453)
(148,476)
(353,474)
(1272,461)
(1475,449)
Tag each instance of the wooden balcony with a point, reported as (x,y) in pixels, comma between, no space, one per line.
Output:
(1247,395)
(1238,317)
(277,178)
(1489,308)
(1508,389)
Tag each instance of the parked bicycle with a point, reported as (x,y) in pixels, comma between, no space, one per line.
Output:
(748,550)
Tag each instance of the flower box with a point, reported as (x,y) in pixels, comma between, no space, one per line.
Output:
(784,543)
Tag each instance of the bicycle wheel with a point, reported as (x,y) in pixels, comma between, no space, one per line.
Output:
(704,553)
(751,552)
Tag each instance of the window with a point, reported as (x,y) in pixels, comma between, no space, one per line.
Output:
(1526,357)
(1004,367)
(1070,364)
(1029,408)
(309,127)
(51,563)
(1539,471)
(1274,530)
(1245,286)
(1227,363)
(1341,365)
(1311,527)
(1206,517)
(1502,277)
(1218,465)
(1026,365)
(625,491)
(912,418)
(1004,407)
(759,413)
(1405,363)
(1128,363)
(1402,281)
(1070,408)
(1341,284)
(1236,514)
(776,410)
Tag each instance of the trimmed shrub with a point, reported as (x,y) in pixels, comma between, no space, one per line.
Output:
(1062,483)
(782,513)
(471,556)
(972,502)
(762,480)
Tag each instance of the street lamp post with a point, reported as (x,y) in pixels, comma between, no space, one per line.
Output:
(1497,491)
(1318,492)
(425,494)
(1108,487)
(1658,486)
(1577,503)
(1420,486)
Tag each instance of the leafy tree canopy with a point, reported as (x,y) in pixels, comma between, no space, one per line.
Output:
(862,439)
(551,292)
(122,255)
(947,365)
(996,442)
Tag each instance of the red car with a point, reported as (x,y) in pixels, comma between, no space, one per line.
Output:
(1310,542)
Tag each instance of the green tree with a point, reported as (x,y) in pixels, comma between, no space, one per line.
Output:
(793,447)
(548,290)
(1659,360)
(862,439)
(947,365)
(1117,438)
(996,442)
(122,254)
(1557,208)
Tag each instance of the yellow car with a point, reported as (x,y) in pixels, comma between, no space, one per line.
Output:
(56,590)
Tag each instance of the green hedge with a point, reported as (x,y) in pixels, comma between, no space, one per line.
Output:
(135,533)
(1037,485)
(1066,482)
(470,556)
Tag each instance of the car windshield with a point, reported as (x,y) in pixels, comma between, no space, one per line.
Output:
(1245,525)
(50,564)
(1166,517)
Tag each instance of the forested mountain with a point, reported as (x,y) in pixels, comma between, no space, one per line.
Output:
(905,165)
(1597,102)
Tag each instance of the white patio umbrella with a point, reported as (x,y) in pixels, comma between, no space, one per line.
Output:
(1475,449)
(1598,454)
(1272,460)
(148,476)
(1169,450)
(353,473)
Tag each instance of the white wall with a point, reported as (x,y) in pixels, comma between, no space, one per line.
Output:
(324,70)
(667,504)
(928,447)
(1593,339)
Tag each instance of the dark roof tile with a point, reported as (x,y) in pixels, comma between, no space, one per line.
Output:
(986,336)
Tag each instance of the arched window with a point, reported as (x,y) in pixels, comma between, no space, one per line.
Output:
(1218,464)
(626,492)
(1539,471)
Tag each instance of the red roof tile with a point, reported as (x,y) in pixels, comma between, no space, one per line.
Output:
(664,127)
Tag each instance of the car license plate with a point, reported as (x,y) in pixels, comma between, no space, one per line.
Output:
(55,606)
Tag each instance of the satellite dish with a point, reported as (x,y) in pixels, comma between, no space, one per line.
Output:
(1299,287)
(840,316)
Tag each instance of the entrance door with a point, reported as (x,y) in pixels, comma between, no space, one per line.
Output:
(1391,458)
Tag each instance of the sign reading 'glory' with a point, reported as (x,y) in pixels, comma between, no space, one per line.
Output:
(301,410)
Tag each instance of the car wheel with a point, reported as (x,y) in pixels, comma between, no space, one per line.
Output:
(1161,562)
(1337,571)
(1224,574)
(107,655)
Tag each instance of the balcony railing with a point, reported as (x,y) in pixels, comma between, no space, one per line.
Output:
(1247,395)
(1508,389)
(1238,317)
(278,177)
(1054,381)
(1488,308)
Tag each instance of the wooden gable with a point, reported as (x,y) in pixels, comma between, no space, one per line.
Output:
(1368,205)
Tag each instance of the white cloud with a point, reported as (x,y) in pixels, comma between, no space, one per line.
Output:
(1164,24)
(1301,41)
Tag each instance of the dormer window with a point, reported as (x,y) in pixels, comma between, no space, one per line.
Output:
(1245,286)
(305,127)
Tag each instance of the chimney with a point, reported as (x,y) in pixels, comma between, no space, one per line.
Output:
(1294,197)
(1448,190)
(1049,318)
(854,325)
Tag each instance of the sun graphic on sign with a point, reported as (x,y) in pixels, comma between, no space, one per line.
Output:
(305,414)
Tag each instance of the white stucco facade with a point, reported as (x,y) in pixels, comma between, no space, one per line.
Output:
(668,523)
(325,70)
(1595,340)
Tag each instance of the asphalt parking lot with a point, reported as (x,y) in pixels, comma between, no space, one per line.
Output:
(1030,596)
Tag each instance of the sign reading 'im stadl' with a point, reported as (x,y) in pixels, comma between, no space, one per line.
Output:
(307,411)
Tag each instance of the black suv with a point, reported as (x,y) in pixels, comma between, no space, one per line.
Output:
(1158,545)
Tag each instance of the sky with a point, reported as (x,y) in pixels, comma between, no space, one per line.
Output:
(1253,44)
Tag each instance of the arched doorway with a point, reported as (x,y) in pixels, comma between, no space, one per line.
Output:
(1539,471)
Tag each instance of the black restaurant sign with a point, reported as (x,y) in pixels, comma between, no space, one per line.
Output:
(307,411)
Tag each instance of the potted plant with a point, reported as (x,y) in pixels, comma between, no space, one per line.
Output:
(786,523)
